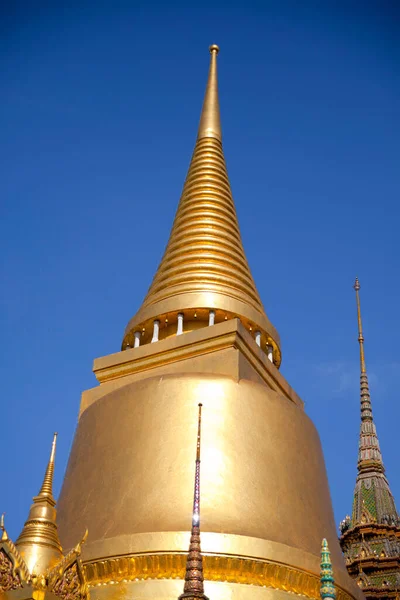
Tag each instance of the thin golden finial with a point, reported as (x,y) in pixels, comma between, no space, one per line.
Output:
(194,580)
(360,333)
(4,536)
(210,121)
(47,485)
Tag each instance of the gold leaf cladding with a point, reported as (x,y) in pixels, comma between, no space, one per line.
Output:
(9,579)
(216,568)
(69,586)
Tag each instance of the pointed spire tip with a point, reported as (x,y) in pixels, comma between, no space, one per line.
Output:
(53,447)
(356,284)
(210,121)
(47,486)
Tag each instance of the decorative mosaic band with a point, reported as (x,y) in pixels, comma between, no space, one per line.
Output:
(216,568)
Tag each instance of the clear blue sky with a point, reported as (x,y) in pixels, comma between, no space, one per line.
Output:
(100,105)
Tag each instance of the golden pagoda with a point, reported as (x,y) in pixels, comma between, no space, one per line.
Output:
(201,336)
(371,536)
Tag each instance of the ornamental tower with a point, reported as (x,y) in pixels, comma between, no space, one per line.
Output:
(35,568)
(201,336)
(371,537)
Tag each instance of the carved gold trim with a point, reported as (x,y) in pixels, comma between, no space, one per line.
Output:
(216,568)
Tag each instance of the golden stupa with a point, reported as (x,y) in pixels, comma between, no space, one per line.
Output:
(201,336)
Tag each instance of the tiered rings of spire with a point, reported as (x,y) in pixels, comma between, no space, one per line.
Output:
(204,277)
(369,456)
(372,498)
(40,529)
(370,537)
(327,589)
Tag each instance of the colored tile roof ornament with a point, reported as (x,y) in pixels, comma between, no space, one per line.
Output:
(327,582)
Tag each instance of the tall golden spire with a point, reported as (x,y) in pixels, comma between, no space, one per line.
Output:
(194,580)
(204,266)
(38,542)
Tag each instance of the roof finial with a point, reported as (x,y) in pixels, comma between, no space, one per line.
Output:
(4,535)
(373,502)
(38,541)
(360,333)
(194,580)
(47,485)
(369,451)
(210,121)
(327,589)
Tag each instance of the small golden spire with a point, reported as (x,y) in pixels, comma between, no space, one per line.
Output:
(38,543)
(210,120)
(360,333)
(194,580)
(4,536)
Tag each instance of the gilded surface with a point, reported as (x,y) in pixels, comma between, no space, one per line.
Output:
(9,579)
(243,476)
(38,542)
(129,478)
(137,428)
(204,265)
(216,568)
(34,567)
(69,587)
(191,353)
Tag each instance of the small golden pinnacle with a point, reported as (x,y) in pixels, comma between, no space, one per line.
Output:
(214,48)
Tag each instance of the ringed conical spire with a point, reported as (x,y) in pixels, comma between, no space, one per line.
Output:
(204,267)
(369,450)
(373,500)
(38,542)
(194,580)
